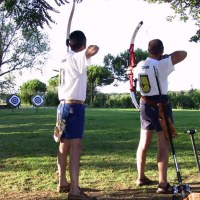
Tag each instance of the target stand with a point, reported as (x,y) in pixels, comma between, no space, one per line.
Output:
(13,101)
(38,100)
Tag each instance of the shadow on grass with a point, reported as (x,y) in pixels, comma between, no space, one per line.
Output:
(126,194)
(39,142)
(141,194)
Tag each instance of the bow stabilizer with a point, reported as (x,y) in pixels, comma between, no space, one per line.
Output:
(132,65)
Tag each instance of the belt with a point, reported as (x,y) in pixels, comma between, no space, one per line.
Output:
(72,101)
(151,102)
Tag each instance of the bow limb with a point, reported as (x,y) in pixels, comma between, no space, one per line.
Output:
(131,49)
(132,65)
(69,24)
(133,91)
(134,101)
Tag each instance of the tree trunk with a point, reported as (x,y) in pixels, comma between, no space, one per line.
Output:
(92,94)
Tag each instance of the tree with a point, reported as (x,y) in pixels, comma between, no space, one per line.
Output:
(97,76)
(7,86)
(18,49)
(118,65)
(28,89)
(53,84)
(31,14)
(51,95)
(185,9)
(20,33)
(35,13)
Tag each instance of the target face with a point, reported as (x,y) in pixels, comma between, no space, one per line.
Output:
(14,101)
(38,100)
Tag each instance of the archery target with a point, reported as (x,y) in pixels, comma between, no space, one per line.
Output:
(38,100)
(14,101)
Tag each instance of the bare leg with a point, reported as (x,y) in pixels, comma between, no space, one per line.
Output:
(74,165)
(162,158)
(62,161)
(145,140)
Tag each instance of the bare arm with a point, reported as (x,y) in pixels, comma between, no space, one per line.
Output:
(91,51)
(176,56)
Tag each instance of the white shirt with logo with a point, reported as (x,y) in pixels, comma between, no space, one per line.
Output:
(146,72)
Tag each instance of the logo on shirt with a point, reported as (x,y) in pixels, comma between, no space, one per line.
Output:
(144,84)
(145,67)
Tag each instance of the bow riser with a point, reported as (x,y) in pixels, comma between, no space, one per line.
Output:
(132,56)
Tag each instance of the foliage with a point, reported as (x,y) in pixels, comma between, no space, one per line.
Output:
(185,9)
(119,101)
(51,98)
(100,100)
(8,84)
(118,65)
(113,100)
(53,84)
(179,99)
(31,14)
(18,49)
(51,95)
(185,99)
(35,13)
(28,89)
(97,76)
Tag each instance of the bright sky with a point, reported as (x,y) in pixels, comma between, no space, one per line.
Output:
(110,25)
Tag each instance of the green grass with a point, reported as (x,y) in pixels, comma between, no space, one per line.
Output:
(28,151)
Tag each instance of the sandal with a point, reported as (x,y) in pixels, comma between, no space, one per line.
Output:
(143,181)
(168,189)
(81,196)
(63,188)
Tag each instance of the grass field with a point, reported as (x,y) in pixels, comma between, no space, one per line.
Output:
(28,152)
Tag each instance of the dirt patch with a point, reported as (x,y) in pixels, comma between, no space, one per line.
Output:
(143,193)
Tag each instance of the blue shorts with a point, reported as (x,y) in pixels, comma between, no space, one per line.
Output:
(149,116)
(74,115)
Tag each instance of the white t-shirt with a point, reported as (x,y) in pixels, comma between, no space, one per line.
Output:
(145,73)
(73,77)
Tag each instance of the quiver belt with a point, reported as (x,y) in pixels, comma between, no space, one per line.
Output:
(165,124)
